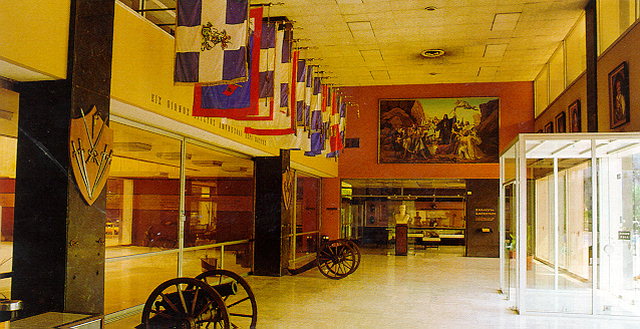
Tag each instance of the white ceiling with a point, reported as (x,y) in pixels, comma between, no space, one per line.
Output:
(378,42)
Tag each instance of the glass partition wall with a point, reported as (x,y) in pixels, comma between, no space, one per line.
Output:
(570,205)
(155,177)
(307,219)
(8,147)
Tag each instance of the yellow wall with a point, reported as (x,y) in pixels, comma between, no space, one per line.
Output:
(40,42)
(142,76)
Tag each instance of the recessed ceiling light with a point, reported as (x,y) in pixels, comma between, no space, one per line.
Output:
(432,53)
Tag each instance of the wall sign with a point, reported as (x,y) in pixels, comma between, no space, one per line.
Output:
(90,150)
(624,235)
(484,214)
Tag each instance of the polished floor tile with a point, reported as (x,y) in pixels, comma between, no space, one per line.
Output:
(427,289)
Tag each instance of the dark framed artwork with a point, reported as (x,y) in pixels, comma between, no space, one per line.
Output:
(619,96)
(438,130)
(575,117)
(548,128)
(561,122)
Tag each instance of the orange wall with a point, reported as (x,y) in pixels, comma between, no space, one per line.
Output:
(331,207)
(516,116)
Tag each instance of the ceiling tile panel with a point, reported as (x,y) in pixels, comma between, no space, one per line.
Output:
(378,42)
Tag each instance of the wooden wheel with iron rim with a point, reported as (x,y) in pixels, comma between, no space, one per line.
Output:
(184,303)
(242,305)
(355,247)
(336,260)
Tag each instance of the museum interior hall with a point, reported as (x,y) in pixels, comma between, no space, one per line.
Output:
(319,164)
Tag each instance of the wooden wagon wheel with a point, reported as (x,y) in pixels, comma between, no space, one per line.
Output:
(184,303)
(336,260)
(242,306)
(355,247)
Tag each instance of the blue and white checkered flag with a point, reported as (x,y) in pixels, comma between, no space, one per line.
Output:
(211,41)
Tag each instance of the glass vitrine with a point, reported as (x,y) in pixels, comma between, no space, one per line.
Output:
(570,223)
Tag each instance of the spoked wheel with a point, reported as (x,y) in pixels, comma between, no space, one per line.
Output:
(336,260)
(242,306)
(184,303)
(355,247)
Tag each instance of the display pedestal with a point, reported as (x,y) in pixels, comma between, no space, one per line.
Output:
(401,239)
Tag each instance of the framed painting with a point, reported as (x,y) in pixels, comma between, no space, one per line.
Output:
(619,96)
(575,117)
(561,122)
(548,128)
(438,130)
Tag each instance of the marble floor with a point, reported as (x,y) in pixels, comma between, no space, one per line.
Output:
(433,288)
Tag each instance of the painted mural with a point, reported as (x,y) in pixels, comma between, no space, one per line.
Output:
(438,130)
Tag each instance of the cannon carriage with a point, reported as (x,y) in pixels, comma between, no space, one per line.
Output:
(217,299)
(338,259)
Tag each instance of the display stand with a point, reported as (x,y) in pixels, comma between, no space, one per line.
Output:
(401,239)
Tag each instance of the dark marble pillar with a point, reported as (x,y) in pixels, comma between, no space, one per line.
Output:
(273,207)
(58,256)
(591,28)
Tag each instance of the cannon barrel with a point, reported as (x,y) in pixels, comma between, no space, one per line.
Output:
(226,289)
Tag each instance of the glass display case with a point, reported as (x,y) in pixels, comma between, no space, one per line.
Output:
(570,223)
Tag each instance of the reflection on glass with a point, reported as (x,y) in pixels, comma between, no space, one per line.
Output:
(8,147)
(307,218)
(306,244)
(129,282)
(510,241)
(619,248)
(307,203)
(219,197)
(235,258)
(559,262)
(143,192)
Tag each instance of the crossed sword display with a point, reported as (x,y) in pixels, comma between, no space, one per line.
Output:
(92,155)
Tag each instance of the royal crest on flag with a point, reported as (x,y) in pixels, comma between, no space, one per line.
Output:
(211,41)
(237,100)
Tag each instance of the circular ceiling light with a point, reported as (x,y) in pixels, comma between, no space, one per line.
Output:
(432,53)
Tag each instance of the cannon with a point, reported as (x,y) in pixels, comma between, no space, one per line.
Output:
(337,259)
(213,299)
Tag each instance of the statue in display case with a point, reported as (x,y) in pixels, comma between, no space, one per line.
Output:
(402,217)
(402,220)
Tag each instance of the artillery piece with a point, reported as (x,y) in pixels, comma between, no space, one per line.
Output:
(338,258)
(213,299)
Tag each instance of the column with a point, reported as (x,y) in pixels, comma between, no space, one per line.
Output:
(274,204)
(58,256)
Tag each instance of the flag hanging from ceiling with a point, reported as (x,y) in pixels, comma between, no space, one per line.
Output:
(236,100)
(338,124)
(211,41)
(282,120)
(317,104)
(299,88)
(262,107)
